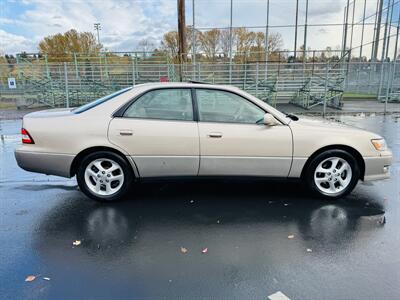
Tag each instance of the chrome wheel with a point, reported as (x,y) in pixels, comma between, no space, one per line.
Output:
(104,177)
(333,175)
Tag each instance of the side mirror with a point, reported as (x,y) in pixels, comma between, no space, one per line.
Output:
(270,120)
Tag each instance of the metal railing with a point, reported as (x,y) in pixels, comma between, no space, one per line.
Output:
(305,84)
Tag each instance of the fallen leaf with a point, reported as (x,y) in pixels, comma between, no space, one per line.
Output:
(309,250)
(290,236)
(191,201)
(46,278)
(278,296)
(286,204)
(30,278)
(76,243)
(184,250)
(205,250)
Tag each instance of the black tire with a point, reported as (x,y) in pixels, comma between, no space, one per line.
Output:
(350,159)
(126,169)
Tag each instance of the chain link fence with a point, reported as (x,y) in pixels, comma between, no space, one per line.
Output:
(305,84)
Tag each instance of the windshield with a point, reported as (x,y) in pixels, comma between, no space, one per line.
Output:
(99,101)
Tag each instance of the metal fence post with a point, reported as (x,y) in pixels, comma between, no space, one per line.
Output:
(326,88)
(200,73)
(387,88)
(136,66)
(245,76)
(66,84)
(47,66)
(369,77)
(358,77)
(380,81)
(106,64)
(133,72)
(257,79)
(76,66)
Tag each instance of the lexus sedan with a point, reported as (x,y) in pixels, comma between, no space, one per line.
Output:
(161,130)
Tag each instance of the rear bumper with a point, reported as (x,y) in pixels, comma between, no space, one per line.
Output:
(46,163)
(377,168)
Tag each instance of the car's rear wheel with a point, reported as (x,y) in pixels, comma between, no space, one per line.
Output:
(332,174)
(104,176)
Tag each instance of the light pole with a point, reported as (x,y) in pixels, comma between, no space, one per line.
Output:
(230,43)
(305,34)
(193,39)
(97,27)
(295,30)
(266,42)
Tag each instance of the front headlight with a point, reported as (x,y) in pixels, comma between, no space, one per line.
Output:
(379,144)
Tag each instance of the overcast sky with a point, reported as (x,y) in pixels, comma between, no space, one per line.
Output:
(23,23)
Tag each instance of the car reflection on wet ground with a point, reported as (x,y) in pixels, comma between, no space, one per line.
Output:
(262,236)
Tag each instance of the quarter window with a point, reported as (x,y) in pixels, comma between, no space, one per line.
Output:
(166,104)
(222,106)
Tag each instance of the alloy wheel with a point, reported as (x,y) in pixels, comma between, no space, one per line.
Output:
(104,177)
(332,175)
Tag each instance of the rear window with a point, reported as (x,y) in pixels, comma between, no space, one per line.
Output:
(99,101)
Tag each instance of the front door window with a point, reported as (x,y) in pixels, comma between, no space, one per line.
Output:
(226,107)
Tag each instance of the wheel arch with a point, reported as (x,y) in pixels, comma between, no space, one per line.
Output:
(78,158)
(357,155)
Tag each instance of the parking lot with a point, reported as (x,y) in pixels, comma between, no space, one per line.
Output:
(199,239)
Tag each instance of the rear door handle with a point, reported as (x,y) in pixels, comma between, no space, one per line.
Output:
(125,132)
(215,135)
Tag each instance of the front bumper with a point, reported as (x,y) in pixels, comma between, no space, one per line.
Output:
(46,163)
(377,167)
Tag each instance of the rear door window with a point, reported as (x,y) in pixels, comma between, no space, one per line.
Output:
(164,104)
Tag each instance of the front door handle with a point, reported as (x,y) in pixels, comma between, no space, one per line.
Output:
(125,132)
(215,135)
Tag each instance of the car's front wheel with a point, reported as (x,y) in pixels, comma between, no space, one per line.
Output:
(332,174)
(104,176)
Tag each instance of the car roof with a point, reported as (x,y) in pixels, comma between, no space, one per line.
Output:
(159,85)
(186,84)
(138,89)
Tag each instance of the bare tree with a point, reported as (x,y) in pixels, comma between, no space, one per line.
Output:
(189,40)
(244,40)
(258,49)
(275,42)
(210,41)
(146,45)
(246,44)
(170,44)
(224,42)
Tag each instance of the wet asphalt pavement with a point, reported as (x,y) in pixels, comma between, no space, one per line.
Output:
(348,249)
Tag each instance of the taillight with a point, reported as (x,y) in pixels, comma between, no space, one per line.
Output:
(26,137)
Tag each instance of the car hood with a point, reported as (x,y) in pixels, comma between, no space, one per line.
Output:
(320,123)
(50,113)
(331,126)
